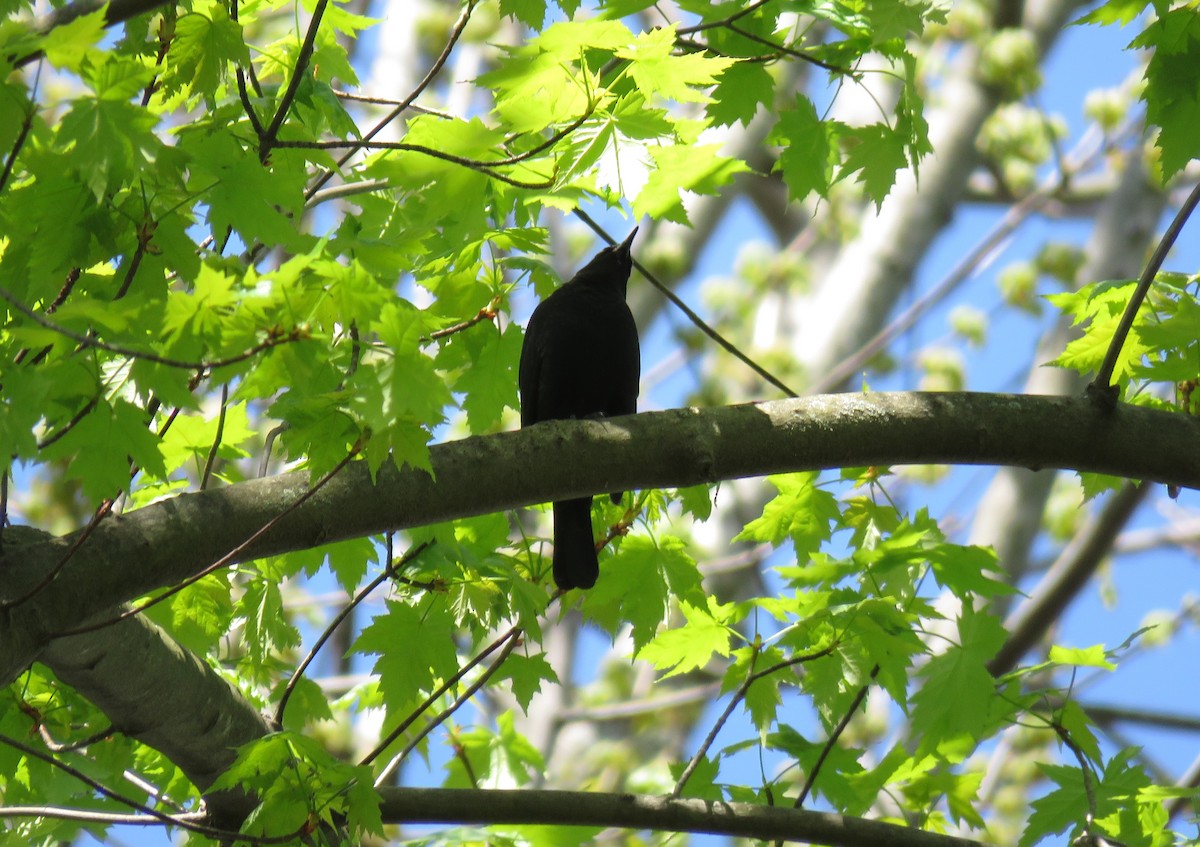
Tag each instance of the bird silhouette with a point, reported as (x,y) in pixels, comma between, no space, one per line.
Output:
(581,359)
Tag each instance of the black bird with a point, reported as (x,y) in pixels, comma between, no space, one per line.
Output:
(581,359)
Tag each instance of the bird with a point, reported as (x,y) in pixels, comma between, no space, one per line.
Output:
(581,359)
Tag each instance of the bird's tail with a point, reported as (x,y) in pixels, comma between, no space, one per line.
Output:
(575,563)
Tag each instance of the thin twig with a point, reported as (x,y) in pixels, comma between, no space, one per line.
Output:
(514,630)
(788,51)
(753,7)
(831,742)
(455,33)
(513,639)
(53,573)
(388,101)
(86,340)
(1102,386)
(1085,770)
(225,560)
(267,139)
(691,315)
(161,817)
(487,313)
(75,420)
(346,189)
(474,164)
(63,813)
(216,445)
(23,134)
(737,697)
(55,746)
(390,571)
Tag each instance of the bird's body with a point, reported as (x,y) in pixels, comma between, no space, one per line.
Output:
(581,359)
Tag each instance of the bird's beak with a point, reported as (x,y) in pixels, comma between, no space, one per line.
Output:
(626,245)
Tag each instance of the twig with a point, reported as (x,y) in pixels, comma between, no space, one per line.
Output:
(1102,386)
(513,640)
(227,559)
(69,425)
(831,742)
(691,315)
(161,817)
(753,7)
(62,562)
(738,696)
(63,813)
(1085,770)
(55,746)
(267,139)
(487,313)
(438,692)
(86,340)
(788,51)
(455,33)
(390,571)
(23,134)
(216,445)
(364,144)
(346,189)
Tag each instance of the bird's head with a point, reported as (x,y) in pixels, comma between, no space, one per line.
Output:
(611,265)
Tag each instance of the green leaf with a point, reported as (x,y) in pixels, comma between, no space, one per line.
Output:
(267,627)
(403,671)
(1065,806)
(800,512)
(1075,722)
(529,12)
(964,570)
(693,645)
(1123,12)
(297,783)
(1084,657)
(697,500)
(876,154)
(243,194)
(112,141)
(500,759)
(701,784)
(526,675)
(1172,90)
(657,70)
(955,700)
(699,169)
(805,161)
(102,446)
(742,89)
(306,705)
(636,584)
(67,46)
(488,380)
(206,43)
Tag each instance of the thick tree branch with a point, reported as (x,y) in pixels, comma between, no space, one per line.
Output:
(163,543)
(158,692)
(641,811)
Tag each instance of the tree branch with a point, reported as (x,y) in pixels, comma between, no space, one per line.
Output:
(1066,578)
(168,541)
(641,811)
